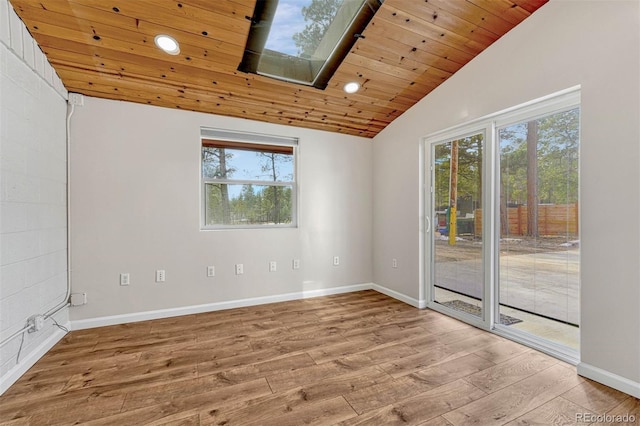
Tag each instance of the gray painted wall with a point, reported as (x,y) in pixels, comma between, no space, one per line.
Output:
(135,185)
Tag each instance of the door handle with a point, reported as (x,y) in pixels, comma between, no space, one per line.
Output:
(428,223)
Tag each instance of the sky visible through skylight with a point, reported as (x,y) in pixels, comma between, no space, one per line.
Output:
(287,21)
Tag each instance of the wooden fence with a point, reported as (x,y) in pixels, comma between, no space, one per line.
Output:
(553,219)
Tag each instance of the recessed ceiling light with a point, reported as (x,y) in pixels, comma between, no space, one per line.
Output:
(351,87)
(168,44)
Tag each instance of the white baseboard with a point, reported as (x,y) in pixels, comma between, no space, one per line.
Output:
(210,307)
(420,304)
(607,378)
(241,303)
(28,361)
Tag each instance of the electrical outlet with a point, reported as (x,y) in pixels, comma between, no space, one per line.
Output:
(160,276)
(296,264)
(125,279)
(394,263)
(36,323)
(39,322)
(211,271)
(336,260)
(239,269)
(78,299)
(272,266)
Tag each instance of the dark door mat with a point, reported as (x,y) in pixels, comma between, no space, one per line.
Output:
(459,305)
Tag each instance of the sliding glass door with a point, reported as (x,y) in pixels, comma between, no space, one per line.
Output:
(503,237)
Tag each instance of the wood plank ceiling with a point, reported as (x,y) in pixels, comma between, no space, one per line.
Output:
(105,48)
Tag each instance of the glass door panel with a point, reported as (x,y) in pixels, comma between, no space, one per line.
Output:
(456,212)
(539,253)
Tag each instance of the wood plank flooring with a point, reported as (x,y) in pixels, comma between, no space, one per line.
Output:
(350,359)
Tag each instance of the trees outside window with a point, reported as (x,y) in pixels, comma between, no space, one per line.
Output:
(539,164)
(247,185)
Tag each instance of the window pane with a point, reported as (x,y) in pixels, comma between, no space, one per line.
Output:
(539,239)
(458,268)
(299,26)
(231,204)
(239,164)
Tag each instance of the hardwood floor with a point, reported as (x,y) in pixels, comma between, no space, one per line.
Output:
(357,358)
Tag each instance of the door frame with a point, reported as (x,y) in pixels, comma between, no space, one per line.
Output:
(429,143)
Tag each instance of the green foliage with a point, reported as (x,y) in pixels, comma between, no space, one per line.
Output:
(213,208)
(469,172)
(247,204)
(273,166)
(513,163)
(214,163)
(261,204)
(319,15)
(442,175)
(558,159)
(254,204)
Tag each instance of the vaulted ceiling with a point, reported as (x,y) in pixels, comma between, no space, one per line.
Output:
(105,48)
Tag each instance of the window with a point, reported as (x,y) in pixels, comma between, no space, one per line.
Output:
(304,41)
(247,180)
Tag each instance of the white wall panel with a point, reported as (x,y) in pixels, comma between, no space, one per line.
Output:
(5,31)
(32,197)
(15,28)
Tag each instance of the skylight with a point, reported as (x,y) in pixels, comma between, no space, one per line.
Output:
(304,41)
